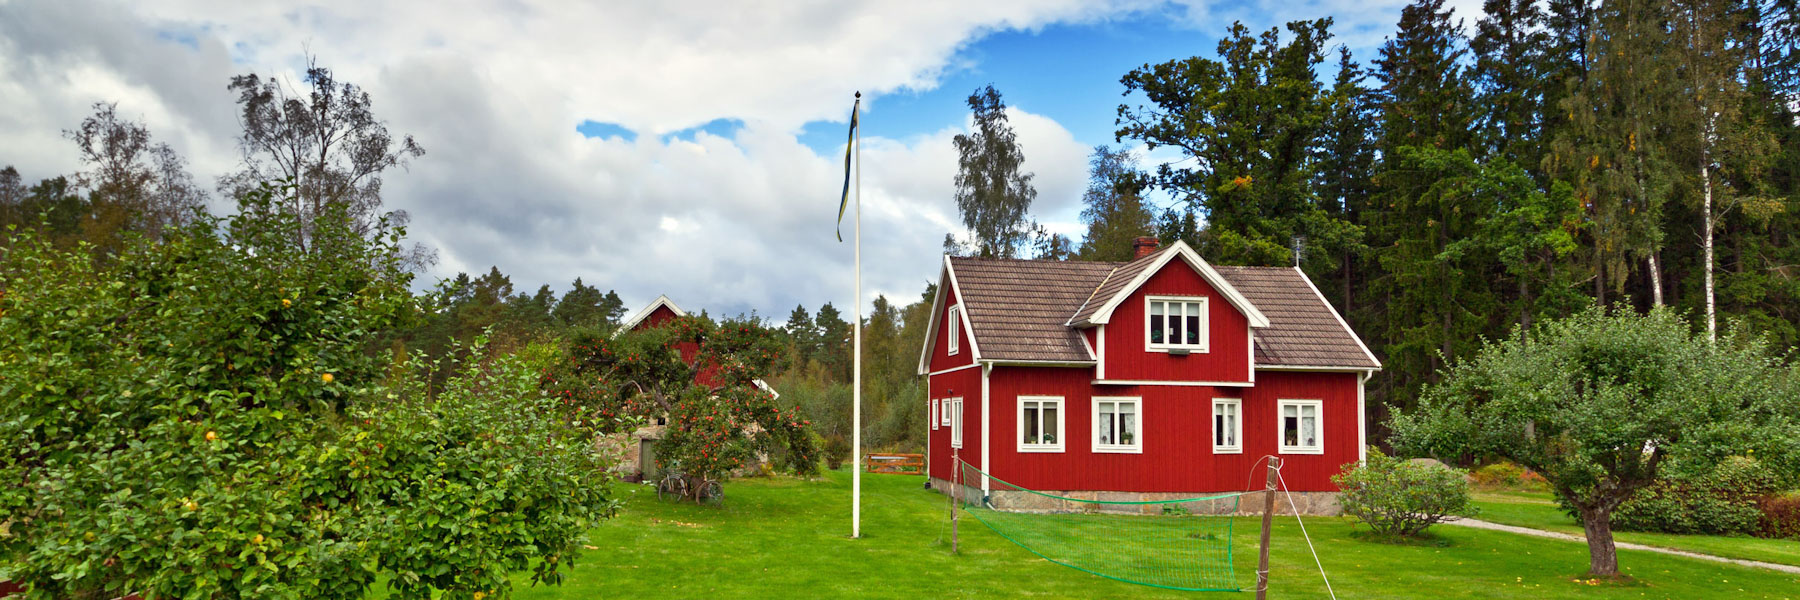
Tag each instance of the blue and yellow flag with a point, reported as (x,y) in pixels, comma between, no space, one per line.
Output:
(849,147)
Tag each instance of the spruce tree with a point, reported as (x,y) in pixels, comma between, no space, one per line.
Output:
(1509,46)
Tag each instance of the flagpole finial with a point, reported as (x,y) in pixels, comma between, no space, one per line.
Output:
(859,94)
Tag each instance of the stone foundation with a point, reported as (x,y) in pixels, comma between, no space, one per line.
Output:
(1249,504)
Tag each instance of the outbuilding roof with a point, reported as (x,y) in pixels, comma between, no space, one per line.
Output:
(1034,310)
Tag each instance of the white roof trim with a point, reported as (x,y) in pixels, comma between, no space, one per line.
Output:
(1340,318)
(646,312)
(1200,265)
(1090,298)
(764,386)
(937,309)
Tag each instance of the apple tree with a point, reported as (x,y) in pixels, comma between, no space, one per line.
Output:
(1600,403)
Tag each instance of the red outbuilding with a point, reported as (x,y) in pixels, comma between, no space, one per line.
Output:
(1162,376)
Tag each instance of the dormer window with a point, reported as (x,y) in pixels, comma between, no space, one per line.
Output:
(1175,323)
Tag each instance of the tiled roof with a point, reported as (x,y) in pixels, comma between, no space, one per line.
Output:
(1018,309)
(1117,281)
(1021,310)
(1303,331)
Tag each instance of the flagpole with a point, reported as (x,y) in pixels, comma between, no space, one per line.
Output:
(856,373)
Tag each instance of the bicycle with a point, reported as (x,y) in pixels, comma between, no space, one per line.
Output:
(674,483)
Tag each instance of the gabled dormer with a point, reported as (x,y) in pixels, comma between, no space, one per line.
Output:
(1168,316)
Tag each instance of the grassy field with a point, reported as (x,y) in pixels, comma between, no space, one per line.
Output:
(1538,510)
(789,538)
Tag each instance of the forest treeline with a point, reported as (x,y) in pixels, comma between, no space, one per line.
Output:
(1477,174)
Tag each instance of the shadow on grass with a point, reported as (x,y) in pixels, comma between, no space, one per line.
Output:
(1426,539)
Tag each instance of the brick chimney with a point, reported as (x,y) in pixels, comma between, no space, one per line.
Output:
(1144,246)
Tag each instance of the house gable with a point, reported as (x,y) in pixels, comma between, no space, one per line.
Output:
(935,354)
(1126,280)
(659,311)
(1223,358)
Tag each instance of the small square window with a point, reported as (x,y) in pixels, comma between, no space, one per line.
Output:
(1117,425)
(1300,427)
(1175,323)
(1040,424)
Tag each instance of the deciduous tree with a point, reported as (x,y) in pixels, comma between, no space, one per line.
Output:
(1599,402)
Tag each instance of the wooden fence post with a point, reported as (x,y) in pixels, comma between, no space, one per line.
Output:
(1262,561)
(956,463)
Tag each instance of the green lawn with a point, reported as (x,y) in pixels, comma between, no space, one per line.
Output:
(788,538)
(1538,510)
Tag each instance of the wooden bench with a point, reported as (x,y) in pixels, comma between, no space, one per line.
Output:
(893,462)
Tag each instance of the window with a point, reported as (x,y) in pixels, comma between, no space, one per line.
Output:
(934,414)
(1040,424)
(1116,425)
(1175,323)
(1300,428)
(1228,426)
(944,413)
(955,329)
(953,418)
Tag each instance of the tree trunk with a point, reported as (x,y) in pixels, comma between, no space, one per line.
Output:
(1603,557)
(1706,240)
(1656,288)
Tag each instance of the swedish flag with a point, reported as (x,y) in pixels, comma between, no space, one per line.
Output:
(849,149)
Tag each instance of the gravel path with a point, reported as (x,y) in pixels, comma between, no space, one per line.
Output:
(1478,524)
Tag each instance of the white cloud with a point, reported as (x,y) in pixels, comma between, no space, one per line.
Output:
(493,89)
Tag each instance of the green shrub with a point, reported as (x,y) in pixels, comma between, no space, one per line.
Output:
(1723,501)
(210,417)
(1401,498)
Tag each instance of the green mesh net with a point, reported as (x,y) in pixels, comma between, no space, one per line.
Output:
(1179,544)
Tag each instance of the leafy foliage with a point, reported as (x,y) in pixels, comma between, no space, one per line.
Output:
(1596,403)
(1402,498)
(701,378)
(1723,501)
(205,418)
(993,192)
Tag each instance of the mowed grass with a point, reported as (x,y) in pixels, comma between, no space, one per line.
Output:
(788,538)
(1538,510)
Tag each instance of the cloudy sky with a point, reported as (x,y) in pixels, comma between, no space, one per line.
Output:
(685,148)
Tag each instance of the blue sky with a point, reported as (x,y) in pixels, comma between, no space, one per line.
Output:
(691,149)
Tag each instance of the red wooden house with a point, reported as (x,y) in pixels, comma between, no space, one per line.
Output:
(1159,378)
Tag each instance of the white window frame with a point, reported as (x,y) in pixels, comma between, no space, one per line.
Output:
(1137,437)
(1237,422)
(955,422)
(1062,416)
(1318,422)
(955,329)
(1165,345)
(943,414)
(934,414)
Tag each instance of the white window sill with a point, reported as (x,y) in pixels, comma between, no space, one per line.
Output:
(1118,449)
(1228,449)
(1188,349)
(1302,451)
(1040,448)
